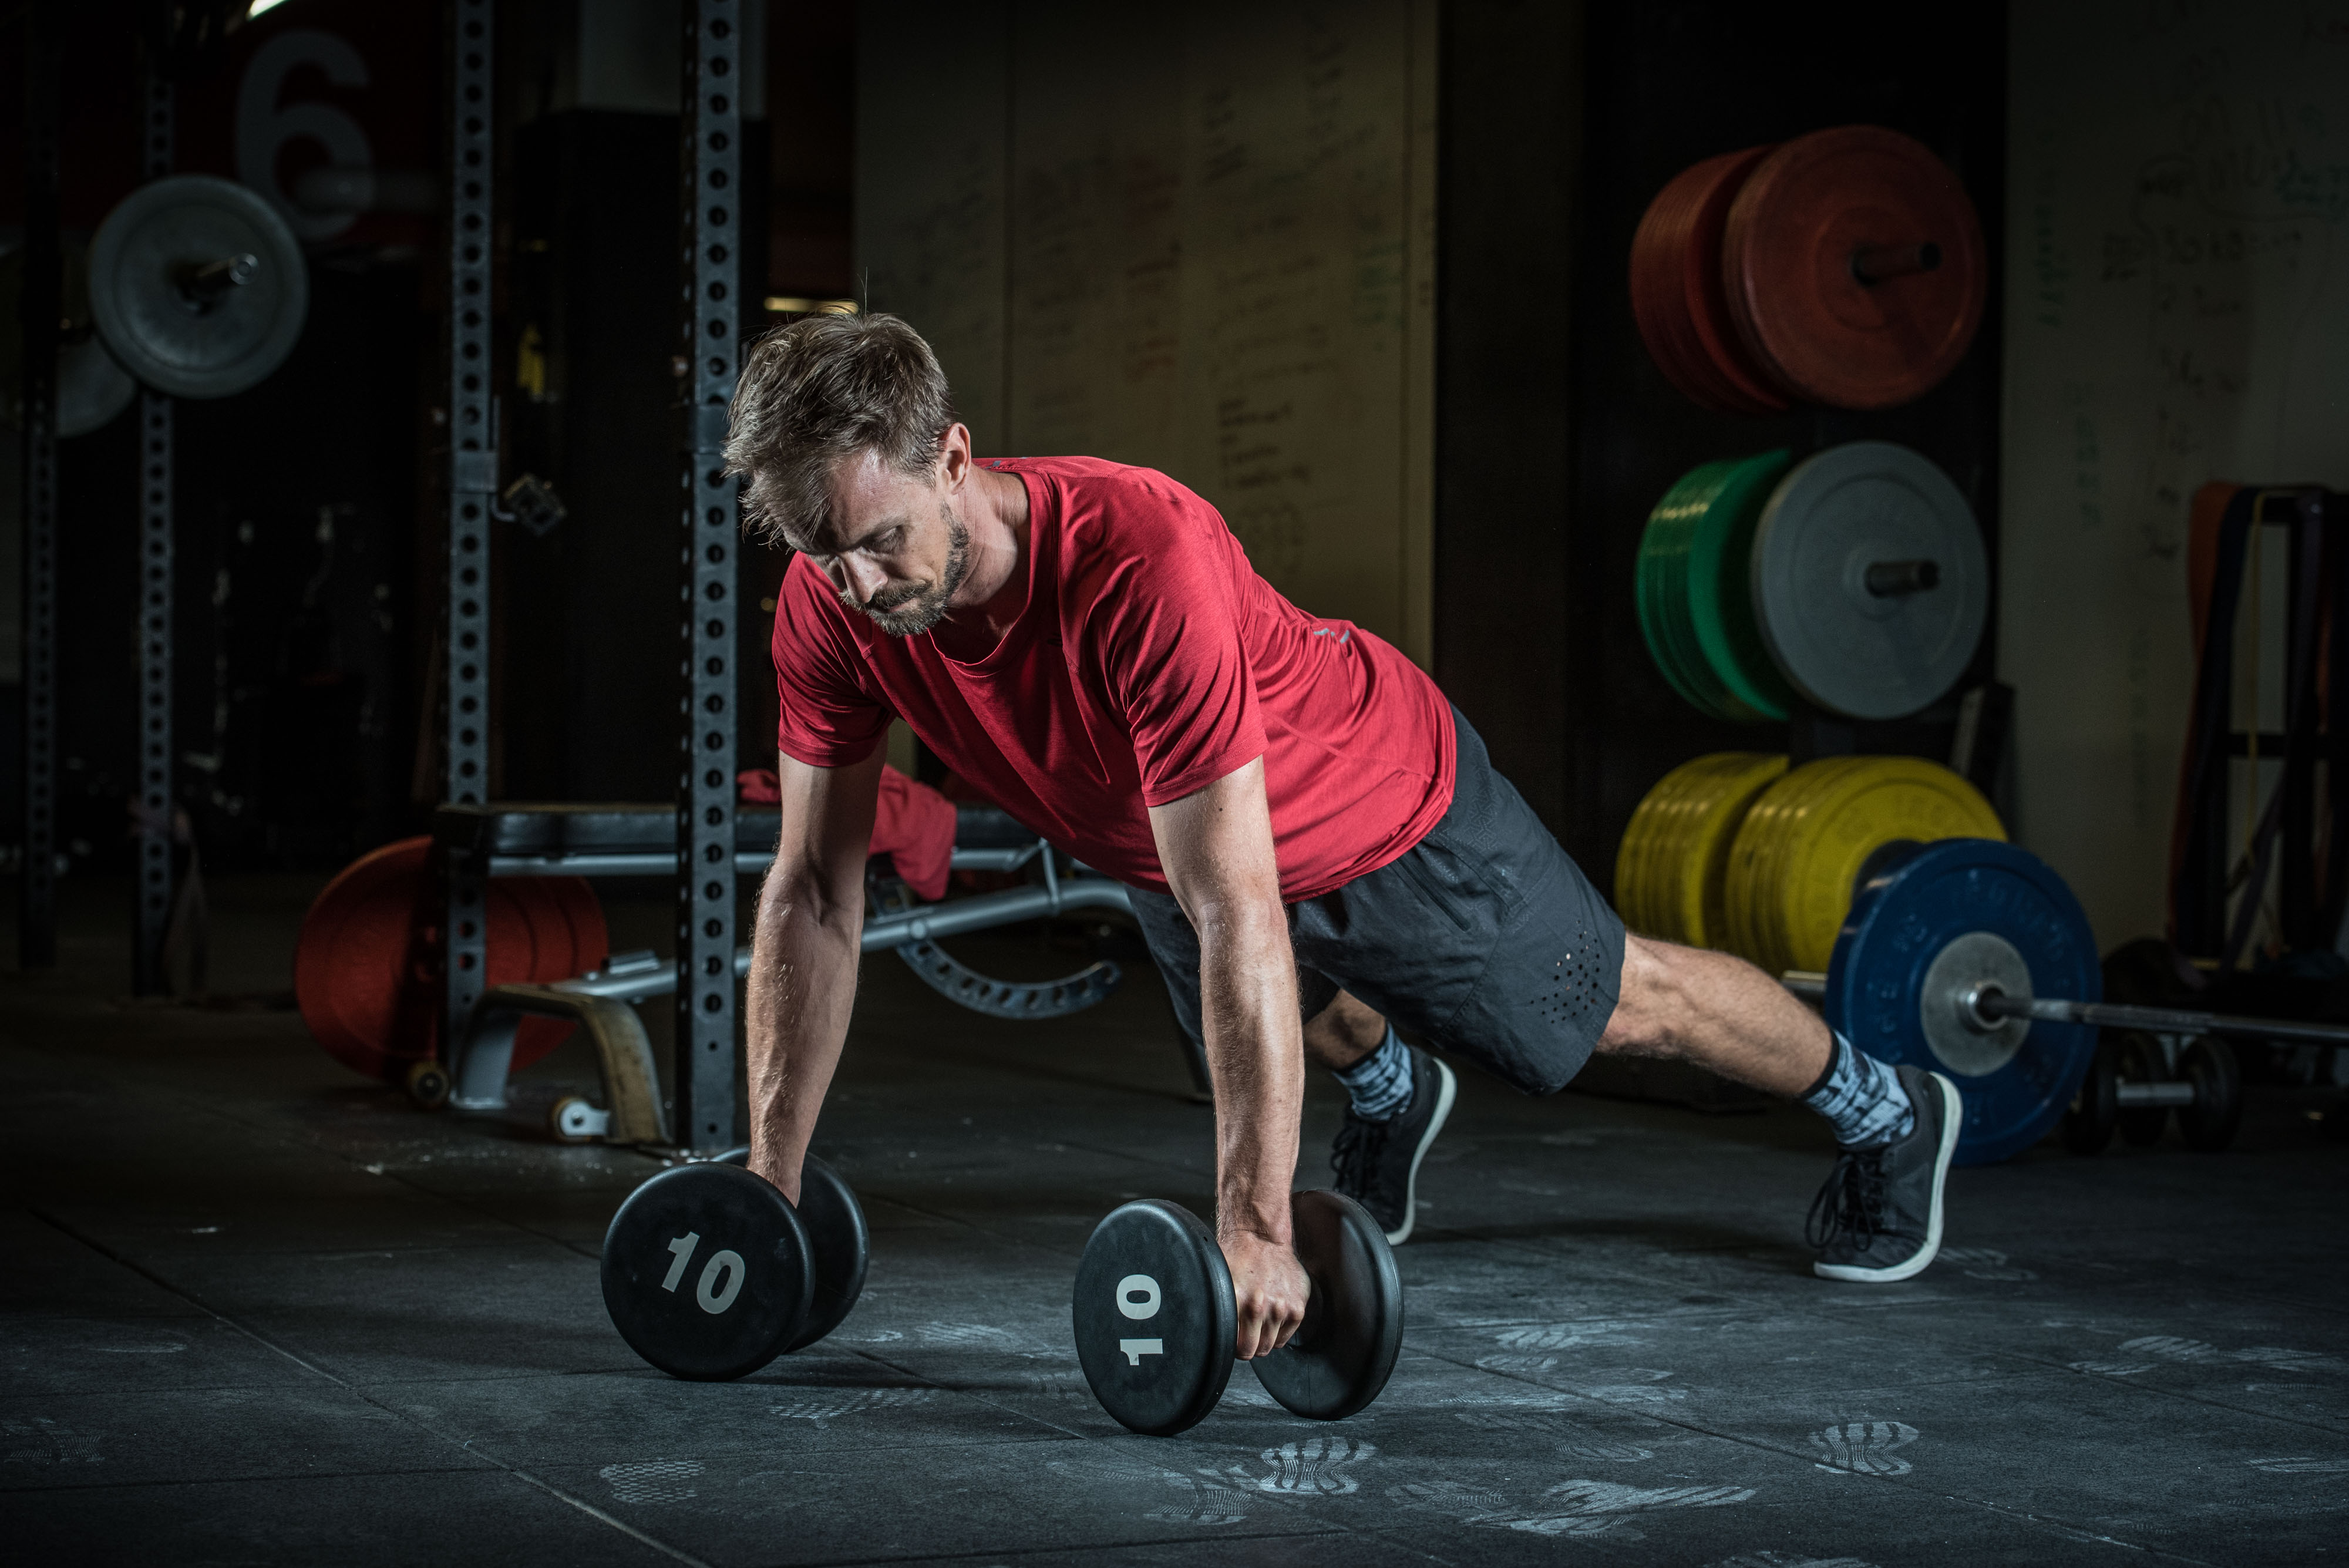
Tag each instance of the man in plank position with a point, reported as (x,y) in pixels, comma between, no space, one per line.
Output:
(1315,838)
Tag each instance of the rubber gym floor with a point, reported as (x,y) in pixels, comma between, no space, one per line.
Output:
(259,1311)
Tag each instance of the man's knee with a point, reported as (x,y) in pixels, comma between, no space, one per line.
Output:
(1653,995)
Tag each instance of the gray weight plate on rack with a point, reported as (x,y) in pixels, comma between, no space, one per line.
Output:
(92,389)
(1871,584)
(198,286)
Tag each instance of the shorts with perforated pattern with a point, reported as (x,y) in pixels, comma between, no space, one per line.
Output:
(1484,938)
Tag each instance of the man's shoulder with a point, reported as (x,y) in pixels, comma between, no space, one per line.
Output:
(1116,508)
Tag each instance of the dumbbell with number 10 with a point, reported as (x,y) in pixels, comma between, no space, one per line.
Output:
(709,1272)
(1157,1326)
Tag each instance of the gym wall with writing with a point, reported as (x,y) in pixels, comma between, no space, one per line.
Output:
(2177,225)
(1194,238)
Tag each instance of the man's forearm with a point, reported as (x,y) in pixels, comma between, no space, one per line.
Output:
(1248,986)
(802,985)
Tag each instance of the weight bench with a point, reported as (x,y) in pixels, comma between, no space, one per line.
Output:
(600,840)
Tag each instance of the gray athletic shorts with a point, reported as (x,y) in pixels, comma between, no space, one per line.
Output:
(1484,938)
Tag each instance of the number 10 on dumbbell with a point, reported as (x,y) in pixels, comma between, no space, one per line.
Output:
(1157,1328)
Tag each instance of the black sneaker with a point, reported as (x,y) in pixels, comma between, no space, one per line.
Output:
(1377,1163)
(1878,1218)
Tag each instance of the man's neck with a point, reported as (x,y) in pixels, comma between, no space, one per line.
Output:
(995,512)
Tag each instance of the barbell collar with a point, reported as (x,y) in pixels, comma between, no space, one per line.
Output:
(206,283)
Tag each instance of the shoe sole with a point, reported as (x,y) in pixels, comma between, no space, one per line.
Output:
(1443,1093)
(1952,1107)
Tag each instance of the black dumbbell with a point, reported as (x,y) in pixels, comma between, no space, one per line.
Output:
(1156,1325)
(710,1273)
(2127,1087)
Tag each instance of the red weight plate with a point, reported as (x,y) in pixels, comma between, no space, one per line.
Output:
(1817,215)
(1676,289)
(366,967)
(543,928)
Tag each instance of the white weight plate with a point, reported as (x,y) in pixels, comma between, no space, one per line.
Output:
(91,387)
(1845,649)
(158,332)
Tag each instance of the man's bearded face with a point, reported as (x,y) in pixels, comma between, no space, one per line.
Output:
(909,609)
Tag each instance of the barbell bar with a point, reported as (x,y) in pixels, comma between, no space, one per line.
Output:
(1982,1007)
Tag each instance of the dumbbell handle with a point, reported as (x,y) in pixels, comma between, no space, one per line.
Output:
(1989,1004)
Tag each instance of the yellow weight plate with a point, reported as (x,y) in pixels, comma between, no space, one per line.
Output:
(1696,867)
(1650,822)
(1885,801)
(1758,858)
(1653,823)
(1775,942)
(1636,853)
(1668,869)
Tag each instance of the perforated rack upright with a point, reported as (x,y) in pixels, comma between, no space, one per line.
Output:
(472,485)
(36,924)
(710,200)
(157,127)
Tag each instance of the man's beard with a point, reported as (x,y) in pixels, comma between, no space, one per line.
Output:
(911,611)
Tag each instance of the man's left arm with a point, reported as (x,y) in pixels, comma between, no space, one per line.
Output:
(1216,846)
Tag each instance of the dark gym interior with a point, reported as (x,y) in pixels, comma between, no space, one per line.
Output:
(345,994)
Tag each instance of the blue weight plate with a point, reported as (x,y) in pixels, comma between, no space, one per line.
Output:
(1908,917)
(1154,1317)
(706,1271)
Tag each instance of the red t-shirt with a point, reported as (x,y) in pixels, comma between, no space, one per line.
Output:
(1149,661)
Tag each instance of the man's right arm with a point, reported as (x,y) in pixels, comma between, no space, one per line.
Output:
(803,955)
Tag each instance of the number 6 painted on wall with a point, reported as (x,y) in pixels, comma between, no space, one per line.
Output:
(264,125)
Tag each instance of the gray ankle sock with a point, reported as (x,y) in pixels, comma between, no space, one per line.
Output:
(1861,1098)
(1380,1084)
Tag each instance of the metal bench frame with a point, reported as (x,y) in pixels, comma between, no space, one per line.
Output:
(602,1000)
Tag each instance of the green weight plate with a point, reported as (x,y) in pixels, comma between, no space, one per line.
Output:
(1721,597)
(1663,595)
(1661,612)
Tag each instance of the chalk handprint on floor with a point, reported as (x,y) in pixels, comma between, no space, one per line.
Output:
(1321,1465)
(2143,1353)
(40,1440)
(831,1405)
(1206,1499)
(1864,1448)
(1566,1335)
(1583,1507)
(661,1480)
(1984,1264)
